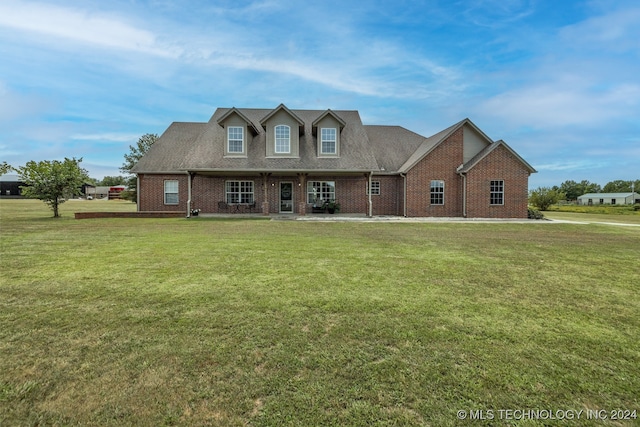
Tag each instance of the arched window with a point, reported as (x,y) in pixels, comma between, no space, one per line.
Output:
(283,139)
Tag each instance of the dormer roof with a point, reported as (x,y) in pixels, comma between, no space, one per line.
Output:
(282,107)
(234,110)
(328,112)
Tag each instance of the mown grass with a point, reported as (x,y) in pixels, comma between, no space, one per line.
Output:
(231,322)
(601,213)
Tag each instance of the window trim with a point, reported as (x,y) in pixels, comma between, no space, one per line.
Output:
(242,150)
(176,192)
(436,193)
(276,139)
(315,197)
(375,188)
(495,193)
(249,196)
(323,140)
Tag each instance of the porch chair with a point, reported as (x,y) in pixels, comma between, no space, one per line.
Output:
(250,206)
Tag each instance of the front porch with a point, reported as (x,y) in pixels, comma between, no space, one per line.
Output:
(277,193)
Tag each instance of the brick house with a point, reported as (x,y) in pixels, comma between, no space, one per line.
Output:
(293,161)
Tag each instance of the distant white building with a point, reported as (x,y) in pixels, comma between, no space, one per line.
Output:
(609,198)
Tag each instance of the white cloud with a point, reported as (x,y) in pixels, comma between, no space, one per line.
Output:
(617,30)
(562,104)
(81,26)
(113,137)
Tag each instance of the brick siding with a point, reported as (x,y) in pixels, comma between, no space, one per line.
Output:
(439,164)
(500,164)
(152,192)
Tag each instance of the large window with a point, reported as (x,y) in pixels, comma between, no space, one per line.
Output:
(496,196)
(437,192)
(239,192)
(171,192)
(319,192)
(283,139)
(235,139)
(328,141)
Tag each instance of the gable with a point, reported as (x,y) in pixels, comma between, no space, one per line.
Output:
(328,122)
(473,142)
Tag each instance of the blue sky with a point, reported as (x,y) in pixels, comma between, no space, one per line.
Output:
(559,81)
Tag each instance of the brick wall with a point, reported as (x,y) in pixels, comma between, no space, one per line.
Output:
(152,192)
(207,191)
(439,164)
(500,164)
(390,200)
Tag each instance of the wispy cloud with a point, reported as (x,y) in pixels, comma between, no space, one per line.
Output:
(81,26)
(353,64)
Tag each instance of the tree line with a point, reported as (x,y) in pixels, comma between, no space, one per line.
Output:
(543,197)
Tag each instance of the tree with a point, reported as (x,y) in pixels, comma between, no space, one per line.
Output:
(5,167)
(573,190)
(617,186)
(109,181)
(52,181)
(543,197)
(142,146)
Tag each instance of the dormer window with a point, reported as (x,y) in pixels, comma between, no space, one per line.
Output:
(327,129)
(283,139)
(328,141)
(283,132)
(235,140)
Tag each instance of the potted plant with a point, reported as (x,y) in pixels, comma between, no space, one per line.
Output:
(332,206)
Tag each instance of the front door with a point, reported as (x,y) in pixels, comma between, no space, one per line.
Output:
(286,197)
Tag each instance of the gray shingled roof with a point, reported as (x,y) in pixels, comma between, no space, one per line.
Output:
(381,149)
(200,146)
(392,145)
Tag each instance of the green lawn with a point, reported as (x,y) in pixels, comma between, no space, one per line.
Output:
(600,213)
(273,323)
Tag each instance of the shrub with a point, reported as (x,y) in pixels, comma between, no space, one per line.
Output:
(534,214)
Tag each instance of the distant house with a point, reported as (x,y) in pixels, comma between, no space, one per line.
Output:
(10,186)
(295,161)
(103,192)
(609,199)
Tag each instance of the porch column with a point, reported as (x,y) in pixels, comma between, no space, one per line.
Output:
(302,196)
(369,201)
(265,201)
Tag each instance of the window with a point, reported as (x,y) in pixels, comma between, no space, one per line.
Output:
(171,192)
(236,139)
(239,192)
(496,196)
(613,201)
(375,188)
(437,192)
(328,141)
(602,201)
(319,192)
(283,139)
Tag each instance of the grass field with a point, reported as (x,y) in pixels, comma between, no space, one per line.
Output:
(208,321)
(599,213)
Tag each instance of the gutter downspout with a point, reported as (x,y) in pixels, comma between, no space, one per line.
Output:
(464,193)
(137,193)
(370,201)
(189,196)
(404,195)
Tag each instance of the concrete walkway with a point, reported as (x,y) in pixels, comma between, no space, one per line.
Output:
(400,219)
